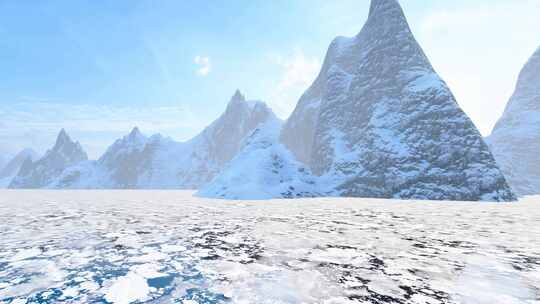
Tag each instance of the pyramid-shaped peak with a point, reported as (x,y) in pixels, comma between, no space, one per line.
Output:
(386,23)
(62,138)
(238,96)
(63,133)
(135,132)
(134,136)
(383,6)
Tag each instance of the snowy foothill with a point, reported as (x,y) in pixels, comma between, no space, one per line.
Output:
(172,247)
(264,169)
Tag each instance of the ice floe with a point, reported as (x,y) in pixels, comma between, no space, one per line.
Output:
(172,247)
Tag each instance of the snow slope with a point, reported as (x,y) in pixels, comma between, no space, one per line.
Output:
(264,169)
(379,122)
(515,140)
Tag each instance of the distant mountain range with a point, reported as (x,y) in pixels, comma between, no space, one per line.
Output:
(140,162)
(377,122)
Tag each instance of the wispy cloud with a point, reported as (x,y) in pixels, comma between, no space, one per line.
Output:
(204,65)
(35,124)
(298,72)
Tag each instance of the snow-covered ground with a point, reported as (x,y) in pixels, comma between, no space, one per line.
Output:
(171,247)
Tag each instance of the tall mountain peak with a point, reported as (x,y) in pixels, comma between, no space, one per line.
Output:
(68,147)
(385,25)
(383,6)
(62,138)
(238,96)
(41,173)
(135,131)
(381,122)
(225,135)
(135,134)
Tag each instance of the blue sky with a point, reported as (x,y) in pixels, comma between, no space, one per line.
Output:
(98,68)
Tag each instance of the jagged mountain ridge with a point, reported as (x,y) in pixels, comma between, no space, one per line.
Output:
(140,162)
(515,140)
(217,144)
(41,173)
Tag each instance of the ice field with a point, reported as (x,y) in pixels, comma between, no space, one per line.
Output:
(171,247)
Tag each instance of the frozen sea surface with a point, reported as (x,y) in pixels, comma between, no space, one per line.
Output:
(171,247)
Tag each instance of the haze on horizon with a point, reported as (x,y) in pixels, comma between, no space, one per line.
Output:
(100,69)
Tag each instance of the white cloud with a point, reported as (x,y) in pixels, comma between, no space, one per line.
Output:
(479,50)
(204,65)
(298,72)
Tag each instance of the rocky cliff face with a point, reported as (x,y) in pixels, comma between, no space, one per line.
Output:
(380,122)
(44,171)
(515,140)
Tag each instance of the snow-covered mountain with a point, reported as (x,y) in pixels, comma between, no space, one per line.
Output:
(387,125)
(11,168)
(41,173)
(379,122)
(126,160)
(264,169)
(139,162)
(207,153)
(515,140)
(118,167)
